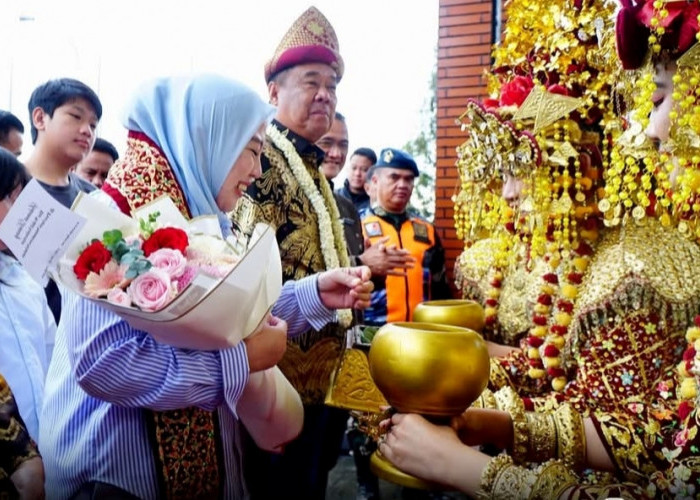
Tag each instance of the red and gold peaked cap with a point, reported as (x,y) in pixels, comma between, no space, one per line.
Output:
(311,39)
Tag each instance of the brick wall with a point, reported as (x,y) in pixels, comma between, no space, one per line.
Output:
(464,48)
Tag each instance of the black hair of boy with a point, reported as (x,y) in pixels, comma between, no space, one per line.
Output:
(8,122)
(367,153)
(12,173)
(106,147)
(55,93)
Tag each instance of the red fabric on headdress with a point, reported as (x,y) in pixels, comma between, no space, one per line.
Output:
(516,91)
(310,39)
(633,28)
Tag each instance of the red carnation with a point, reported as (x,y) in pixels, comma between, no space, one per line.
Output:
(534,341)
(551,351)
(93,259)
(684,409)
(167,237)
(496,283)
(697,320)
(516,91)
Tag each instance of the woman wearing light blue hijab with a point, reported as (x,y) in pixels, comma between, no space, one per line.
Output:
(202,126)
(125,415)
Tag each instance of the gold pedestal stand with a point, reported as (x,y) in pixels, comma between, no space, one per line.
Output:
(383,469)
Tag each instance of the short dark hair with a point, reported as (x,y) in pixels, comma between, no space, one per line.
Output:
(8,121)
(55,93)
(106,147)
(12,173)
(370,172)
(367,153)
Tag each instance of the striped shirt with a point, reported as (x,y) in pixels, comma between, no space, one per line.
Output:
(103,373)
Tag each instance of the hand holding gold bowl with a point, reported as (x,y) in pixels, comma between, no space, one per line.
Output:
(427,368)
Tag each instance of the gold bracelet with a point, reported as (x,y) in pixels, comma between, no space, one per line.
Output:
(542,431)
(513,482)
(490,473)
(509,401)
(486,400)
(552,479)
(498,376)
(571,437)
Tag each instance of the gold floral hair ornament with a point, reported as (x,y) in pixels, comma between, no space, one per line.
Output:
(494,147)
(546,107)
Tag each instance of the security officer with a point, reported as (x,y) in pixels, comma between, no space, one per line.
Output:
(396,295)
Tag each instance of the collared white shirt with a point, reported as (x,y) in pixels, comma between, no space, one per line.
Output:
(27,336)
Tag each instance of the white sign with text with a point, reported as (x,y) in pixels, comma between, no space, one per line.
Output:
(38,229)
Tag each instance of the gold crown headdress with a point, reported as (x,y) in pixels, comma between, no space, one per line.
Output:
(493,147)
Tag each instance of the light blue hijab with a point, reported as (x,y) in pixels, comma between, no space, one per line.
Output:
(202,124)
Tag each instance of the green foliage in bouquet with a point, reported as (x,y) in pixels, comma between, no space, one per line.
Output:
(126,254)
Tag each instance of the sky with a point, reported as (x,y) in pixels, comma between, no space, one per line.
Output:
(389,48)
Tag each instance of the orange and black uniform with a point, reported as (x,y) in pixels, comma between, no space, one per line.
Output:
(395,297)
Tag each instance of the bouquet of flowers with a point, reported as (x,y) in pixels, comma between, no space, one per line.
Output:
(149,270)
(176,279)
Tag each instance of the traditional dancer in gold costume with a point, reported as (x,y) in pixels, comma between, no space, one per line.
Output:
(615,308)
(564,61)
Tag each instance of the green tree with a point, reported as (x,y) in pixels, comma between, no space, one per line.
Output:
(423,150)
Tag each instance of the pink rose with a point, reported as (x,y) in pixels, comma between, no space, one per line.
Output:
(186,278)
(169,260)
(119,297)
(151,290)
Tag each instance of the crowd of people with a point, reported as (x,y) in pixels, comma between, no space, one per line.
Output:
(578,205)
(98,409)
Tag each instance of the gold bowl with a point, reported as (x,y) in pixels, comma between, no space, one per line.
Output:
(455,312)
(426,368)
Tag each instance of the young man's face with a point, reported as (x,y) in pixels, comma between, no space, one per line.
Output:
(95,167)
(69,133)
(305,99)
(335,144)
(359,165)
(14,142)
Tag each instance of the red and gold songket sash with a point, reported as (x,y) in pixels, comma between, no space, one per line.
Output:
(188,463)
